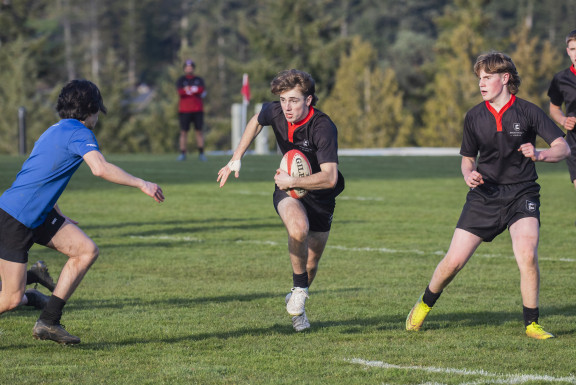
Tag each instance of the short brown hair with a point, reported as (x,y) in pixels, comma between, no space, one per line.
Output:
(499,63)
(571,36)
(290,79)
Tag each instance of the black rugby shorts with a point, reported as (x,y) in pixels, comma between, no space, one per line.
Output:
(17,239)
(319,213)
(187,118)
(491,208)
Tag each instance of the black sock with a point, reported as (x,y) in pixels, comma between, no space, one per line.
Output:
(30,278)
(32,298)
(201,150)
(53,311)
(530,315)
(300,280)
(430,298)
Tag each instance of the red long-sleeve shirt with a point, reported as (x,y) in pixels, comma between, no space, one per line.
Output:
(191,90)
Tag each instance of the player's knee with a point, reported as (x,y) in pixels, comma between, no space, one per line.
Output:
(94,253)
(452,266)
(10,302)
(90,254)
(299,234)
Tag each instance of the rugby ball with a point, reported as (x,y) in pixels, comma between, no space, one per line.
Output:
(296,164)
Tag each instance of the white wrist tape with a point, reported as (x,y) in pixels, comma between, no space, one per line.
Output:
(234,165)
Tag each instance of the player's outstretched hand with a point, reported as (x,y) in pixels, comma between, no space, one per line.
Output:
(233,165)
(153,190)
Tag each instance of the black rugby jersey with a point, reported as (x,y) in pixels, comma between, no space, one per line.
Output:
(562,90)
(496,136)
(316,136)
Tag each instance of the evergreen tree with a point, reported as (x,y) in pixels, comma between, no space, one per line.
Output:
(455,86)
(536,62)
(365,103)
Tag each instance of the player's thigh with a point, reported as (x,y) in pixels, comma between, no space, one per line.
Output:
(72,241)
(293,214)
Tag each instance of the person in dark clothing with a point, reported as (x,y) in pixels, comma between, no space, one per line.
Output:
(498,164)
(297,124)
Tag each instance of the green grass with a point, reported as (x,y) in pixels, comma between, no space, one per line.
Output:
(191,291)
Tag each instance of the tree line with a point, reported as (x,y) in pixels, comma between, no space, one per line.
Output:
(389,73)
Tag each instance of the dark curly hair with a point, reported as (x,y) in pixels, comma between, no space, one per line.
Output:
(79,99)
(290,79)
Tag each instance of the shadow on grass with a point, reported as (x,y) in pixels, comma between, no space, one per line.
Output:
(385,322)
(389,322)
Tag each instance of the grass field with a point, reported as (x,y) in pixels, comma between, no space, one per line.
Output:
(191,291)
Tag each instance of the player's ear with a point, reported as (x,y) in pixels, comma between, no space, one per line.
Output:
(309,100)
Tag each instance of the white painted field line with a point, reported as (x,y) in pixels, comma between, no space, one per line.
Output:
(408,251)
(345,248)
(493,378)
(167,238)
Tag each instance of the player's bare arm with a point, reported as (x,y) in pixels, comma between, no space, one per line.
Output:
(252,130)
(559,150)
(112,173)
(326,178)
(472,177)
(567,122)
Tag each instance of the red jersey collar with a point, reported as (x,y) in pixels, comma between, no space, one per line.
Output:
(498,114)
(573,69)
(292,127)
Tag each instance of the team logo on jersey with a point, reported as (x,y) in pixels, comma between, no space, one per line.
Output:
(531,206)
(305,144)
(516,130)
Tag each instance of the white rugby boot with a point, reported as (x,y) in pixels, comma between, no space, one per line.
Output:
(299,322)
(296,302)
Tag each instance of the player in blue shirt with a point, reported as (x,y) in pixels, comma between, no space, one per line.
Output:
(29,211)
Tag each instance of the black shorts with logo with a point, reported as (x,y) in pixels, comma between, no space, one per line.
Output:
(491,208)
(319,212)
(17,239)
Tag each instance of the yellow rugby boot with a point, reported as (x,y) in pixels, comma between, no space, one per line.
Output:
(417,315)
(535,331)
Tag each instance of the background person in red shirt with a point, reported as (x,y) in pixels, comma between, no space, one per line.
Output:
(191,109)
